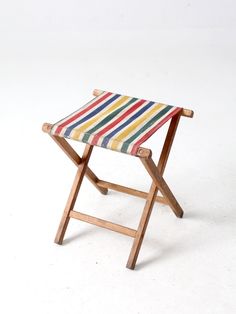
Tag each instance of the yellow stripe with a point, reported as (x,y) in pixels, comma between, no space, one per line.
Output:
(118,139)
(87,125)
(75,134)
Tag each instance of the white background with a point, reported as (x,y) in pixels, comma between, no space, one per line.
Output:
(52,55)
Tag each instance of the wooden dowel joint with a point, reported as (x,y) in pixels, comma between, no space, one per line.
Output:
(46,127)
(144,152)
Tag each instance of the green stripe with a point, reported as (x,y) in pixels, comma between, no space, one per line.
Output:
(126,144)
(106,120)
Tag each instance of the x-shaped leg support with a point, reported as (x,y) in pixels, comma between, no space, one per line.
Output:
(156,173)
(75,158)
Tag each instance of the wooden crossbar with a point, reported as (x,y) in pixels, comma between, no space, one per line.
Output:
(130,191)
(103,223)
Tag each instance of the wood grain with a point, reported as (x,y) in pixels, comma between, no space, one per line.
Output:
(162,186)
(73,194)
(152,193)
(103,223)
(127,190)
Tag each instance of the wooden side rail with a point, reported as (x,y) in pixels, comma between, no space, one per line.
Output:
(103,223)
(185,112)
(130,191)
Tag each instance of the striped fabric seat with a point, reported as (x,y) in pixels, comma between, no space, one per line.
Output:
(114,121)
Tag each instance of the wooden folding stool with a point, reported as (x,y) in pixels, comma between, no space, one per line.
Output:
(120,123)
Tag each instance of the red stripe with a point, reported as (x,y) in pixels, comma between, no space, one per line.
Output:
(108,127)
(80,113)
(153,130)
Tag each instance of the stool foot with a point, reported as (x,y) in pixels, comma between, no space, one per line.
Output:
(104,191)
(58,242)
(130,266)
(62,230)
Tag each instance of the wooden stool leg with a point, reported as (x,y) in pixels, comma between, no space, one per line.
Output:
(142,227)
(162,186)
(73,194)
(152,194)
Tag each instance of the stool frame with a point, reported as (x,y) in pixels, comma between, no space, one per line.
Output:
(158,184)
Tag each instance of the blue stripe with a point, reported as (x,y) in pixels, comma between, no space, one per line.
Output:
(90,115)
(131,119)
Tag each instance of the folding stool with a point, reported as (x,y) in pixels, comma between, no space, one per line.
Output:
(119,123)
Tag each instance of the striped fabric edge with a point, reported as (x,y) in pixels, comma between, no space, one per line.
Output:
(135,147)
(60,126)
(103,119)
